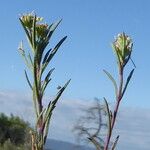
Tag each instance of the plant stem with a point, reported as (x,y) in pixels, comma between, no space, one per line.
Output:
(118,99)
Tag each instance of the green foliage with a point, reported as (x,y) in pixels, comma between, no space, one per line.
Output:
(14,132)
(122,47)
(38,36)
(13,128)
(8,145)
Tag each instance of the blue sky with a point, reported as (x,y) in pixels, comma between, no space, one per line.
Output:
(90,26)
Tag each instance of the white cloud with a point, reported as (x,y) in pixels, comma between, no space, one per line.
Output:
(17,103)
(132,123)
(133,126)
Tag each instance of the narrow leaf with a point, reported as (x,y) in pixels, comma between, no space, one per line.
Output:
(117,55)
(133,62)
(45,85)
(53,52)
(50,109)
(115,143)
(26,31)
(60,92)
(30,59)
(49,74)
(113,81)
(46,56)
(127,82)
(28,80)
(55,25)
(108,114)
(52,28)
(47,80)
(46,129)
(34,33)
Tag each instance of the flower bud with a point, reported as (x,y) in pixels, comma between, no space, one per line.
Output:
(27,20)
(42,30)
(123,48)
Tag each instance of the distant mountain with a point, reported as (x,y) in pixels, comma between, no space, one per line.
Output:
(61,145)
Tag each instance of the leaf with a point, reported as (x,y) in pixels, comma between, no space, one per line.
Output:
(26,31)
(23,54)
(52,28)
(108,114)
(133,62)
(46,80)
(30,59)
(49,74)
(55,25)
(50,109)
(28,80)
(46,130)
(115,143)
(60,92)
(117,53)
(123,44)
(56,48)
(46,56)
(127,82)
(53,52)
(113,81)
(34,33)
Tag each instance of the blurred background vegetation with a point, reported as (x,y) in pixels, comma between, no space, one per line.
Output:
(14,133)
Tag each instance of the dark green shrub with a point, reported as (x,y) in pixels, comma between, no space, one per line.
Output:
(13,129)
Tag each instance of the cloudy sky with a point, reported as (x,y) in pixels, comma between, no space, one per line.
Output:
(132,123)
(90,26)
